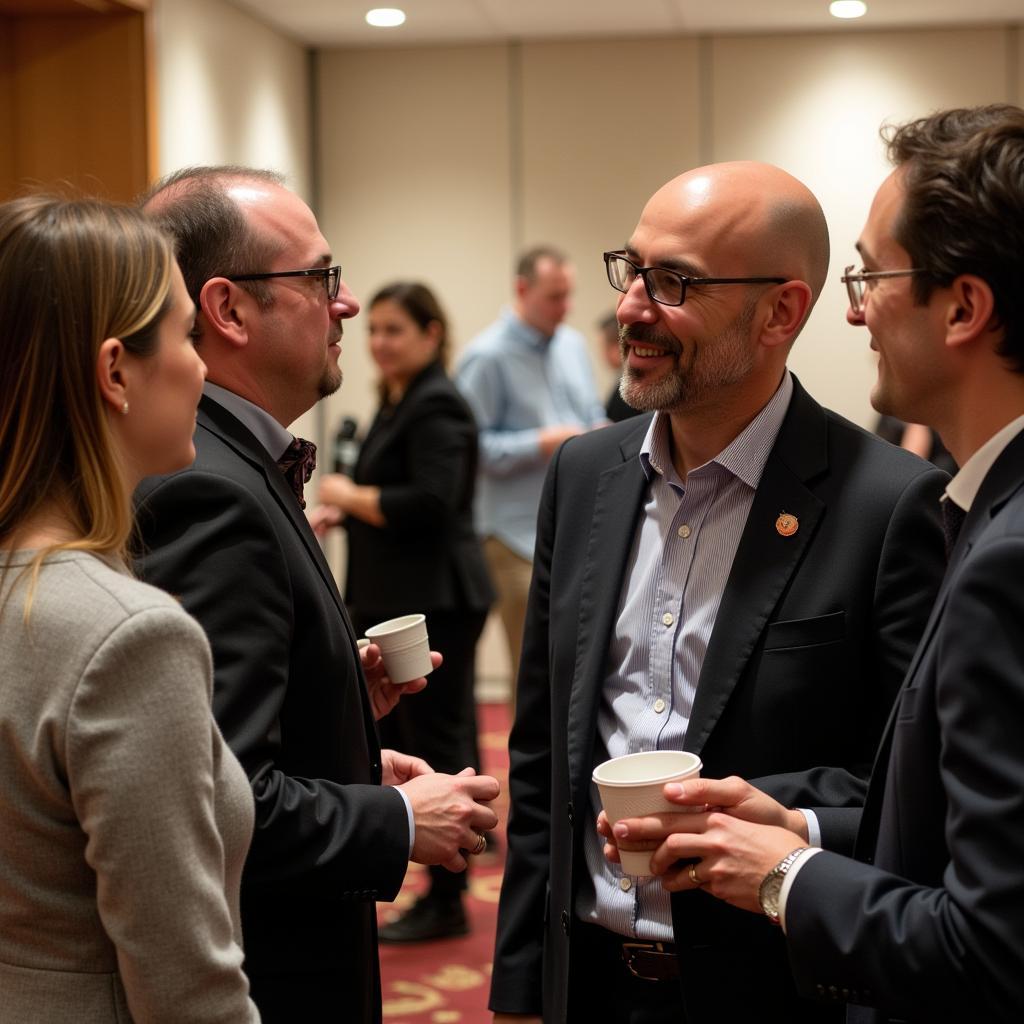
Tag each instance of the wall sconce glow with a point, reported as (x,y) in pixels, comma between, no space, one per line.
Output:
(847,9)
(385,17)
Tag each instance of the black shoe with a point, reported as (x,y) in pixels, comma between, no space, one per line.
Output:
(427,919)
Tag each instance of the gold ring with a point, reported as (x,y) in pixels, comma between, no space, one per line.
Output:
(692,872)
(481,845)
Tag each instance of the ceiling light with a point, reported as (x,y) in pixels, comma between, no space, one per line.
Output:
(847,9)
(385,17)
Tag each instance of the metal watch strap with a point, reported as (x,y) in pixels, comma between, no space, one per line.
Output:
(773,881)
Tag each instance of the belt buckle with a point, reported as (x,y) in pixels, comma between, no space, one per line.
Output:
(631,949)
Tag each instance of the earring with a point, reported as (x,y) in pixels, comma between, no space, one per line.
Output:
(124,409)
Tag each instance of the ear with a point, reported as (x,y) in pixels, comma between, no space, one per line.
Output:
(433,331)
(789,305)
(970,310)
(521,286)
(226,308)
(110,374)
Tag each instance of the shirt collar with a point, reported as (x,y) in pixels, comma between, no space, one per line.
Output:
(522,331)
(260,423)
(745,456)
(964,487)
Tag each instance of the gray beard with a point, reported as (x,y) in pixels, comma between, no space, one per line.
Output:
(717,363)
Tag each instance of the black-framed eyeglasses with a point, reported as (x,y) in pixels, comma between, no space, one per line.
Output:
(859,284)
(663,285)
(331,277)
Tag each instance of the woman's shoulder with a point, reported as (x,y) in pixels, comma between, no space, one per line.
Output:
(435,392)
(97,593)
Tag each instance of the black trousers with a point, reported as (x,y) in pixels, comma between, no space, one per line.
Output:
(602,988)
(439,724)
(314,999)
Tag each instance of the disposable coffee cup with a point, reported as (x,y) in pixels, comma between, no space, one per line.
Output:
(404,647)
(631,787)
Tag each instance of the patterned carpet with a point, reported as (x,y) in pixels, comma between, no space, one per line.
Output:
(446,982)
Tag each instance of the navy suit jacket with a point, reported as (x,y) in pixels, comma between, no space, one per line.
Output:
(812,639)
(929,924)
(228,538)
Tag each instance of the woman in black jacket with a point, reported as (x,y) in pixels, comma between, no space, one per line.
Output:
(412,548)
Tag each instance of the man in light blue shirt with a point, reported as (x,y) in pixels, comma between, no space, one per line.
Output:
(529,382)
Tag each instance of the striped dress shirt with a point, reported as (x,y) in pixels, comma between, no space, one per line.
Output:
(677,570)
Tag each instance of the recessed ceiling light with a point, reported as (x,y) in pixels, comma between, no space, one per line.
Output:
(847,9)
(385,17)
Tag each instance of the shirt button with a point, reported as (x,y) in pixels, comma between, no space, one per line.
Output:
(667,618)
(683,531)
(625,884)
(659,705)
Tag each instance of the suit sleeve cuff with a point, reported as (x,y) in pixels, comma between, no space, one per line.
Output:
(787,882)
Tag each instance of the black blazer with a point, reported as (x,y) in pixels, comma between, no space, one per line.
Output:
(813,636)
(931,926)
(422,454)
(229,539)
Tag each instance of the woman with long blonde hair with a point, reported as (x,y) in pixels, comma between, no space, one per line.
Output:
(124,819)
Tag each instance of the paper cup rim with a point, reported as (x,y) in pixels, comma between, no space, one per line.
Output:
(396,625)
(654,780)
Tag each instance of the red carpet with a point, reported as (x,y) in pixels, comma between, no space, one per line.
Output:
(446,982)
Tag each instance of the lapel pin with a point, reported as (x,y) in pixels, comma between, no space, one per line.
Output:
(786,525)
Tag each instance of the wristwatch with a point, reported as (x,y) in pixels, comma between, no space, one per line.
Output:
(771,884)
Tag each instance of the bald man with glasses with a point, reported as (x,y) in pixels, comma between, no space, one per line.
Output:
(741,573)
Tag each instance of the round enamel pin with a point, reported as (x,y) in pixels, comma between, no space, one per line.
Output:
(787,525)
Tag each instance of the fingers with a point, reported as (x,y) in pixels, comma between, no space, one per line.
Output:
(481,787)
(656,827)
(456,863)
(708,792)
(611,853)
(678,879)
(436,659)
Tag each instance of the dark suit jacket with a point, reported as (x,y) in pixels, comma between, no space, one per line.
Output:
(812,639)
(229,539)
(422,455)
(933,929)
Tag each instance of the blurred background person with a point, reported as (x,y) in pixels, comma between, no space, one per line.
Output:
(528,379)
(124,818)
(408,512)
(922,440)
(615,408)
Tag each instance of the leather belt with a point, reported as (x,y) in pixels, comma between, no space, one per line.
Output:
(651,961)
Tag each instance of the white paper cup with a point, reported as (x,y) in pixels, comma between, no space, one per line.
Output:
(631,787)
(404,646)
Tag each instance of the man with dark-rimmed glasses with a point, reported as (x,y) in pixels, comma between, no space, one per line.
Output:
(337,819)
(739,574)
(925,921)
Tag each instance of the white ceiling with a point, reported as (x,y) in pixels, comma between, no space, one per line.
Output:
(329,23)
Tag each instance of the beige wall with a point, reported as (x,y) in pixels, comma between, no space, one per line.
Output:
(813,105)
(232,90)
(441,163)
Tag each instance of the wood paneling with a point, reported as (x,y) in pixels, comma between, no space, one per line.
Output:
(77,103)
(6,104)
(38,7)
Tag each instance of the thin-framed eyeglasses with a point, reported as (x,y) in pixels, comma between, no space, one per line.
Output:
(858,285)
(667,287)
(331,277)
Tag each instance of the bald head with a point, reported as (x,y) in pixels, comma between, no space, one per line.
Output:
(750,219)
